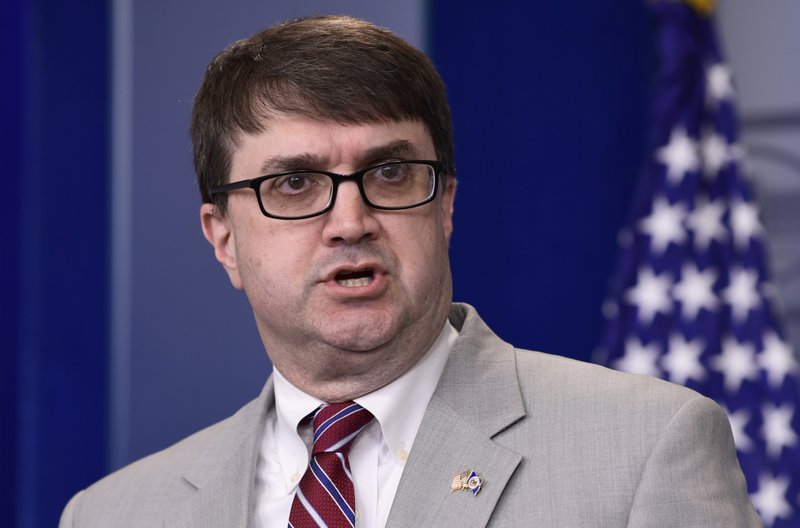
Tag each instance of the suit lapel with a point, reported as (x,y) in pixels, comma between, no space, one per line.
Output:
(477,397)
(449,446)
(221,482)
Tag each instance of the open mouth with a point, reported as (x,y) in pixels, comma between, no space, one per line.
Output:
(355,279)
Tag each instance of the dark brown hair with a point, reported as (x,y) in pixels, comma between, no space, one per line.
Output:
(330,68)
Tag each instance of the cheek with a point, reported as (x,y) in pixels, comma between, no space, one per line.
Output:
(252,267)
(254,256)
(422,252)
(271,259)
(267,282)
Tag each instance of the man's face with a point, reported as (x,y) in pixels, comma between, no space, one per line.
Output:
(325,333)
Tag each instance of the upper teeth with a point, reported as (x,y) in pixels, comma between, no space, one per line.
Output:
(352,283)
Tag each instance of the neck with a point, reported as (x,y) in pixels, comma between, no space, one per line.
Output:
(333,374)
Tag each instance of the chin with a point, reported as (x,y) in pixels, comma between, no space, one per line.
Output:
(357,341)
(359,334)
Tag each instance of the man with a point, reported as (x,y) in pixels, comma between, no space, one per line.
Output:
(323,149)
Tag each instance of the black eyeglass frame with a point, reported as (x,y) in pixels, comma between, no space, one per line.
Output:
(357,177)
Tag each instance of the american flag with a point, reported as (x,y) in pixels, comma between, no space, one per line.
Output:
(692,301)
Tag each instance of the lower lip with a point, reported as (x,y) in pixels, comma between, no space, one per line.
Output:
(373,289)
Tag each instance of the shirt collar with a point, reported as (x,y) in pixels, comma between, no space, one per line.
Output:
(398,407)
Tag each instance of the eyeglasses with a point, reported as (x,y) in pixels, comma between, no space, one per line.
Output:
(295,195)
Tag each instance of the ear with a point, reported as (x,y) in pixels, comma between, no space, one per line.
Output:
(447,204)
(218,232)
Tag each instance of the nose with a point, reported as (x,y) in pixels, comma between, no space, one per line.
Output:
(350,220)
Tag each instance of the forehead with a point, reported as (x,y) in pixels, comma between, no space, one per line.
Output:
(297,142)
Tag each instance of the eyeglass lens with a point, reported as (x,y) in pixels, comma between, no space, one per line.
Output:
(394,185)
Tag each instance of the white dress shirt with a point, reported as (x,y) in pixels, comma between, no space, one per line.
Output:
(378,455)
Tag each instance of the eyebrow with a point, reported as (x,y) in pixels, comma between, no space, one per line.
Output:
(397,149)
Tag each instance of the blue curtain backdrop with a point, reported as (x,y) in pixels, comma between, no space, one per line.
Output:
(54,254)
(11,114)
(549,104)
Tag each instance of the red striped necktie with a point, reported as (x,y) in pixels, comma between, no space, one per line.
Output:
(325,495)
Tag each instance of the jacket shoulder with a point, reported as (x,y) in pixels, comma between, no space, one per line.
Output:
(144,490)
(549,376)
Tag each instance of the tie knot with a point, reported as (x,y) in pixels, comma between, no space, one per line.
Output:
(336,425)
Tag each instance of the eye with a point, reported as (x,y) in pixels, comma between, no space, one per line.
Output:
(392,173)
(293,183)
(296,182)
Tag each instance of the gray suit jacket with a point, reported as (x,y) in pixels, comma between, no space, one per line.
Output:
(558,443)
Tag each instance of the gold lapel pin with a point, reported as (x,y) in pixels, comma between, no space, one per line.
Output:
(466,480)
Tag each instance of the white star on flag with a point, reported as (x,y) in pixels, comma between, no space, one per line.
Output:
(742,293)
(706,223)
(650,295)
(770,499)
(715,154)
(638,358)
(679,155)
(664,225)
(777,428)
(682,360)
(739,420)
(695,291)
(776,359)
(744,223)
(692,279)
(736,363)
(719,82)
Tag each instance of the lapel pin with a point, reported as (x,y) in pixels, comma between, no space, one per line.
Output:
(467,480)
